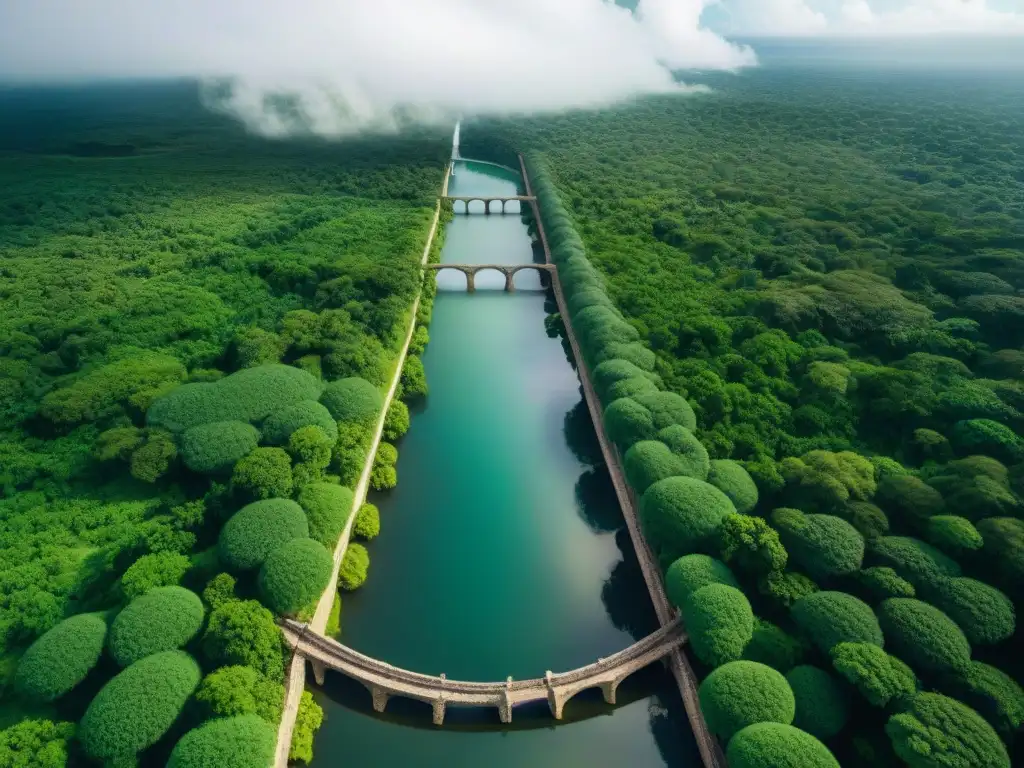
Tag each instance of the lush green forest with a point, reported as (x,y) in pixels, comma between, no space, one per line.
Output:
(800,298)
(196,328)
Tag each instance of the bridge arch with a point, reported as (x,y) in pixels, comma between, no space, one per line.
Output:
(384,680)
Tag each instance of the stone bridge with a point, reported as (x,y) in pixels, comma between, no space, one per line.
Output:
(467,199)
(509,270)
(384,680)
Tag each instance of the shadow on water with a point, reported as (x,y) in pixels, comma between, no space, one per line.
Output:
(580,435)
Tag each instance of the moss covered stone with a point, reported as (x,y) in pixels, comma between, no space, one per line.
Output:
(163,619)
(257,529)
(742,693)
(61,658)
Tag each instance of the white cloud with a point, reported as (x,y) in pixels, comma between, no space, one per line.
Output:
(885,18)
(345,65)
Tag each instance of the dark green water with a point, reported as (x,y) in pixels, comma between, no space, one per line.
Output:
(500,550)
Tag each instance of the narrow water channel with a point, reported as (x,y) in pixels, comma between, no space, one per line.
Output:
(501,552)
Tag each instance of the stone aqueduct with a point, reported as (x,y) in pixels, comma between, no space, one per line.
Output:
(384,680)
(509,270)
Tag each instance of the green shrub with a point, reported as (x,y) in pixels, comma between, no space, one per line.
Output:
(216,447)
(243,741)
(956,536)
(987,437)
(61,658)
(929,445)
(820,703)
(938,732)
(588,297)
(824,481)
(413,379)
(36,744)
(880,677)
(628,422)
(741,693)
(280,424)
(751,545)
(719,622)
(689,450)
(881,583)
(327,507)
(649,461)
(630,387)
(159,569)
(909,499)
(250,395)
(682,515)
(352,400)
(611,371)
(633,352)
(355,566)
(266,473)
(993,694)
(830,618)
(163,619)
(311,450)
(367,523)
(734,481)
(823,545)
(384,474)
(238,690)
(786,588)
(923,635)
(776,745)
(869,520)
(106,391)
(137,707)
(244,632)
(985,614)
(920,564)
(396,421)
(772,646)
(257,529)
(668,408)
(307,722)
(691,572)
(219,590)
(1003,551)
(294,575)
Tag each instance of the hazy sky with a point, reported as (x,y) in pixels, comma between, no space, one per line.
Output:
(347,63)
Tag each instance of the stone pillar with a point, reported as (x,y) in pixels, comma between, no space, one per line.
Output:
(380,698)
(470,281)
(509,284)
(319,670)
(505,707)
(555,701)
(487,207)
(503,206)
(439,707)
(608,690)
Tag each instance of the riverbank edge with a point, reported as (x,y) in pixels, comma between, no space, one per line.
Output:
(295,681)
(710,750)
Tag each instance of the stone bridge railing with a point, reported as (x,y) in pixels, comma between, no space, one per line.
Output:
(386,680)
(509,270)
(467,199)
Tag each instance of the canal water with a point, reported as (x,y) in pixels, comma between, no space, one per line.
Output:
(502,552)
